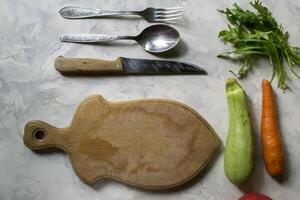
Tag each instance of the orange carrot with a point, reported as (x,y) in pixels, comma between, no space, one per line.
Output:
(270,136)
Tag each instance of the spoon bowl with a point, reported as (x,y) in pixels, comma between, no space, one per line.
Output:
(158,38)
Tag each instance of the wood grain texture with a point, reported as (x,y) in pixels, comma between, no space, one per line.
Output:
(88,66)
(152,144)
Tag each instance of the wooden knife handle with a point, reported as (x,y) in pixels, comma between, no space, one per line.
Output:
(88,66)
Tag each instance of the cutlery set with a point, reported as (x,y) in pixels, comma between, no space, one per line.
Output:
(157,38)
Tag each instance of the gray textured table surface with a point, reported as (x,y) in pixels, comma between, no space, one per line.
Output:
(30,88)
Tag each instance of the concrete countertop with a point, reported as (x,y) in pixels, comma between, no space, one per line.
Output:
(31,88)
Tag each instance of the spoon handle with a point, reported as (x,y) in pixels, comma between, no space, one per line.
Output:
(91,38)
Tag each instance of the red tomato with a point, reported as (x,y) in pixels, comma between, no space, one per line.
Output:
(254,196)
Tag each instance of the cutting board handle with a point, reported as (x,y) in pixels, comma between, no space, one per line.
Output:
(40,135)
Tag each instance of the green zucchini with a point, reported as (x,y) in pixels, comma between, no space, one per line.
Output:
(239,152)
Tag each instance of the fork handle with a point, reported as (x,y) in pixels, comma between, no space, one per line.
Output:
(72,12)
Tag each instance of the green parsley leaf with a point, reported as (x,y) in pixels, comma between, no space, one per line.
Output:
(257,34)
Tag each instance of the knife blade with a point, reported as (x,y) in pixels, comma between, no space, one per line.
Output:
(125,66)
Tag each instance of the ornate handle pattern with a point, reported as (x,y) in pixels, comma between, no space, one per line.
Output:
(88,38)
(72,12)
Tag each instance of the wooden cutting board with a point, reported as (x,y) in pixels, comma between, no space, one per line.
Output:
(152,144)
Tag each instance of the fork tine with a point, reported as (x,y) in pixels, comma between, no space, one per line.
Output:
(168,16)
(171,8)
(169,12)
(168,19)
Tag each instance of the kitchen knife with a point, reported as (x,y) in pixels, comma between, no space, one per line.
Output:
(125,66)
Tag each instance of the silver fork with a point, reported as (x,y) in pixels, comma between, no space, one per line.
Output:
(150,14)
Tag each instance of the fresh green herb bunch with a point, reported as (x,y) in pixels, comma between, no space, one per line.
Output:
(255,34)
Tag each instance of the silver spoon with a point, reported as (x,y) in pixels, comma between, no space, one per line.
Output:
(155,39)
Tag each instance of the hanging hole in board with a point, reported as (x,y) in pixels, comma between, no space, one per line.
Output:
(39,135)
